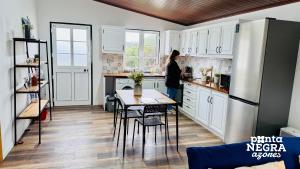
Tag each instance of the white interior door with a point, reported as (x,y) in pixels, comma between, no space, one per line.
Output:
(71,64)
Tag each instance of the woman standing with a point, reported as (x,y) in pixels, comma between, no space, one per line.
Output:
(172,75)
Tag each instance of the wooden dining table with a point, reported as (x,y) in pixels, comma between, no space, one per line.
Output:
(148,97)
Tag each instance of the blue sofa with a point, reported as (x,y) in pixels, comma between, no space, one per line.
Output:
(230,156)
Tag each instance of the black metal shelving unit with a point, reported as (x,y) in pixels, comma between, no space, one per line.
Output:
(33,110)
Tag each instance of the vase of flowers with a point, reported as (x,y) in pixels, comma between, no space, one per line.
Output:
(27,27)
(138,78)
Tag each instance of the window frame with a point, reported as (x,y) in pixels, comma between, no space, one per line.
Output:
(141,32)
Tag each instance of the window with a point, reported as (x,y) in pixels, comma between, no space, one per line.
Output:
(141,50)
(71,47)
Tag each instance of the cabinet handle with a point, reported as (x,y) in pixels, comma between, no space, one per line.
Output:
(171,50)
(188,92)
(208,99)
(196,49)
(220,49)
(217,49)
(188,99)
(211,100)
(157,85)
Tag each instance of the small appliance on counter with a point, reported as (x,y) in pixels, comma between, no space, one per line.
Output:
(225,81)
(187,73)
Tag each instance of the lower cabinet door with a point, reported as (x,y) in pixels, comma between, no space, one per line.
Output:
(218,112)
(203,106)
(161,86)
(149,84)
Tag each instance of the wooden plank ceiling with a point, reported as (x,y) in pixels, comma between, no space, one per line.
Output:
(189,12)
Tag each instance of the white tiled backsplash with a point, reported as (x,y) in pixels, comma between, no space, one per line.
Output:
(113,63)
(219,65)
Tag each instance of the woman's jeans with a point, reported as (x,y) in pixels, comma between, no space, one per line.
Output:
(171,91)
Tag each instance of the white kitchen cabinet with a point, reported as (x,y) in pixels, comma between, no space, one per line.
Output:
(203,106)
(149,84)
(155,83)
(206,106)
(202,42)
(187,42)
(182,43)
(113,39)
(172,41)
(218,112)
(213,41)
(161,86)
(220,39)
(190,95)
(193,43)
(227,39)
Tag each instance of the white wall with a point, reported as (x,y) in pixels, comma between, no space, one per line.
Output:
(286,12)
(96,14)
(294,119)
(11,12)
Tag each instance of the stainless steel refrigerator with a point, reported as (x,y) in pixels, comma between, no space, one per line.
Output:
(262,78)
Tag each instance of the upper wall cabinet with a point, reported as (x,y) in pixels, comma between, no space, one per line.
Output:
(172,41)
(202,42)
(220,39)
(207,41)
(113,39)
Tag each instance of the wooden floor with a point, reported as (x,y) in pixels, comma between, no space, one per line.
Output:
(83,139)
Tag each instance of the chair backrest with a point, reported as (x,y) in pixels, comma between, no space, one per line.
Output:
(155,109)
(119,103)
(127,88)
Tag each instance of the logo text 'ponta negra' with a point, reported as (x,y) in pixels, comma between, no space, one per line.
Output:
(266,147)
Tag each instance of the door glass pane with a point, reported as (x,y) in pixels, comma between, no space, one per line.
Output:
(63,59)
(80,60)
(131,59)
(80,48)
(150,50)
(63,47)
(79,34)
(63,34)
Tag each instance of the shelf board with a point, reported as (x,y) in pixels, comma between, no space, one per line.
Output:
(31,111)
(32,89)
(29,40)
(34,64)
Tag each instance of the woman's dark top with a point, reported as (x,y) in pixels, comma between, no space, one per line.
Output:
(173,74)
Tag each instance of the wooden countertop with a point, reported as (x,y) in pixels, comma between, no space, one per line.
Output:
(127,74)
(209,85)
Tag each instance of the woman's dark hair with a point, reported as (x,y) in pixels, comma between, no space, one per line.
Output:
(173,55)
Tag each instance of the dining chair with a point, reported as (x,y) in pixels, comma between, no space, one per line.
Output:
(131,108)
(131,114)
(151,121)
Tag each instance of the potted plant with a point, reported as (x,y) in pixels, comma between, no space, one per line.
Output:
(204,72)
(217,78)
(27,27)
(138,78)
